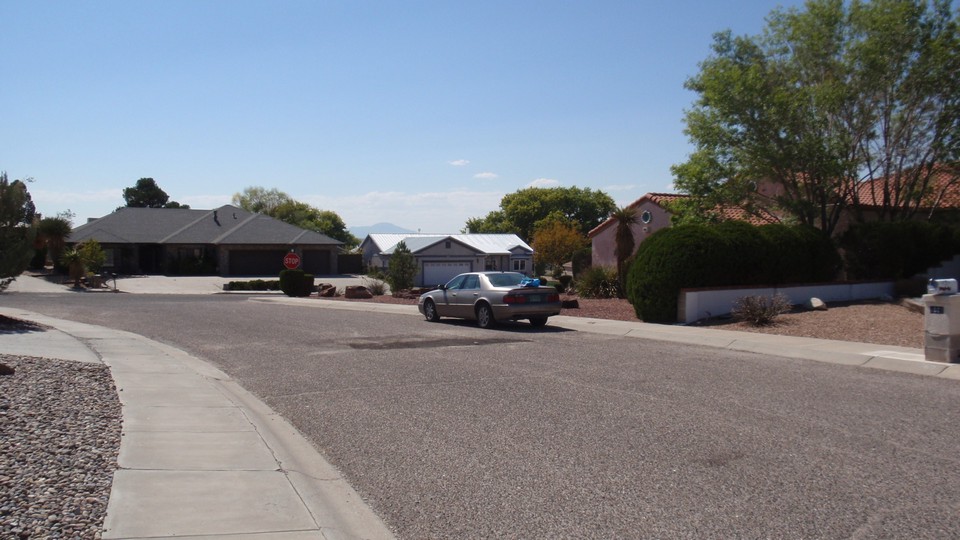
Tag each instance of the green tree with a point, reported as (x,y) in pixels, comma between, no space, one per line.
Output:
(17,231)
(555,243)
(401,269)
(308,217)
(147,194)
(277,204)
(522,211)
(92,255)
(260,200)
(827,98)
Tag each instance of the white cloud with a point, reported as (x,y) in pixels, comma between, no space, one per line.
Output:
(486,176)
(544,183)
(459,162)
(620,187)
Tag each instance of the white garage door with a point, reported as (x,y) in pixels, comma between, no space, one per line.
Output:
(435,273)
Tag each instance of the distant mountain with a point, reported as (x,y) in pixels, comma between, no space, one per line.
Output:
(362,232)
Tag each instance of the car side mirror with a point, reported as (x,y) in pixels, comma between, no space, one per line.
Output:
(442,286)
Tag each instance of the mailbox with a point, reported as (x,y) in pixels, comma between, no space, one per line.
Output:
(942,286)
(941,323)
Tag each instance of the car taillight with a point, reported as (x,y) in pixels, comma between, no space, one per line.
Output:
(515,299)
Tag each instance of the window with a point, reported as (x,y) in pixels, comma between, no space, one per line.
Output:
(471,282)
(447,244)
(646,216)
(455,283)
(519,265)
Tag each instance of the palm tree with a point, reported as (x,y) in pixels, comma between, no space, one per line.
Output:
(54,231)
(624,243)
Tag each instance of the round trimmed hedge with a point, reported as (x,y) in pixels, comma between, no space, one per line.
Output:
(728,254)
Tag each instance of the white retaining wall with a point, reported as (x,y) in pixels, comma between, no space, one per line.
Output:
(696,304)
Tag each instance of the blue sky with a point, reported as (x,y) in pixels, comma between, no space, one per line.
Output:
(421,113)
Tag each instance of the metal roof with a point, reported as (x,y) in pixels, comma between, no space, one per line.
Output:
(487,244)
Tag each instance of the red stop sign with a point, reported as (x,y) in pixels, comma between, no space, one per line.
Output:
(291,261)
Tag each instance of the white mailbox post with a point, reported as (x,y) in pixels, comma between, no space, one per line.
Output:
(941,321)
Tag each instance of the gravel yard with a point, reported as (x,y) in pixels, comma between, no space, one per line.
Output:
(59,438)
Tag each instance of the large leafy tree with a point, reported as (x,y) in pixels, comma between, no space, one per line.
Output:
(17,213)
(260,199)
(279,205)
(828,99)
(147,194)
(523,211)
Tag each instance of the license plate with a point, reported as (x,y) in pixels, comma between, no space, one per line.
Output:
(534,298)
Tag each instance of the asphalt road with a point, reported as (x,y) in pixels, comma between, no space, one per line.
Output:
(450,431)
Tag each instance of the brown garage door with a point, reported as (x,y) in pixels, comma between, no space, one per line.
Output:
(256,262)
(316,262)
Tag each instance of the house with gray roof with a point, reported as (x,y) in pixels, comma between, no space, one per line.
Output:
(440,257)
(228,241)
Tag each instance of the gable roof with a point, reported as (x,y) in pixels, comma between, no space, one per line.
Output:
(488,244)
(663,200)
(225,225)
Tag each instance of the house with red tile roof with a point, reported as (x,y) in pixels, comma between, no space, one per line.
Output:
(653,214)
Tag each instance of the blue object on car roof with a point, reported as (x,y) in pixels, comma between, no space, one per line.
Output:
(529,282)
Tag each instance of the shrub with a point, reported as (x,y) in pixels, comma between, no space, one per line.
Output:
(296,283)
(401,269)
(39,259)
(896,250)
(672,258)
(254,285)
(823,261)
(745,248)
(375,286)
(598,282)
(760,310)
(785,262)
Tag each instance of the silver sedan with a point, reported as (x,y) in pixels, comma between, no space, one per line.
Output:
(488,297)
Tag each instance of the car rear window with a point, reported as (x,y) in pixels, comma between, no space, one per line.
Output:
(506,279)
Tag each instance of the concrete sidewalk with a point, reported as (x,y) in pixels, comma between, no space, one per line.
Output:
(200,456)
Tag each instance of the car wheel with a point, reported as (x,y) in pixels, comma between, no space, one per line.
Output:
(537,322)
(485,316)
(430,311)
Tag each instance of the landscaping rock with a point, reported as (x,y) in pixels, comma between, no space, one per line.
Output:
(816,304)
(326,290)
(6,370)
(570,304)
(357,292)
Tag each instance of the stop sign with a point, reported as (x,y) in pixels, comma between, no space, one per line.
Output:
(291,261)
